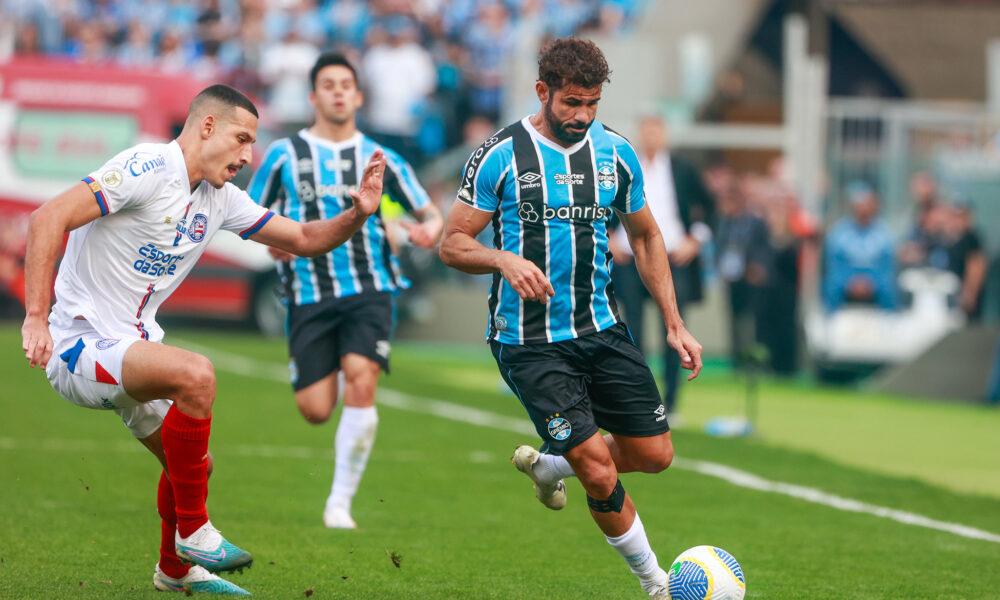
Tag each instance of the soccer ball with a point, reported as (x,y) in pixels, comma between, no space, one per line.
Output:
(706,573)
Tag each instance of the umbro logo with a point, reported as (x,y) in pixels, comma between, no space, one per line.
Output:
(660,413)
(530,180)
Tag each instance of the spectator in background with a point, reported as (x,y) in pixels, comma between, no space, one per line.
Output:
(681,206)
(285,66)
(924,198)
(792,231)
(137,49)
(399,76)
(489,41)
(860,257)
(966,259)
(743,255)
(27,41)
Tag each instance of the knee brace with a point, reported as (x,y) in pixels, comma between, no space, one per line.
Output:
(613,503)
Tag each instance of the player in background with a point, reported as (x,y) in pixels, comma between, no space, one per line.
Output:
(136,228)
(548,183)
(341,303)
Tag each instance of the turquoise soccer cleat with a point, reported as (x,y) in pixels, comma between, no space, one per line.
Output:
(207,548)
(197,581)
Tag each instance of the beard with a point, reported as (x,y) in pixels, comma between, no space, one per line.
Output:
(560,129)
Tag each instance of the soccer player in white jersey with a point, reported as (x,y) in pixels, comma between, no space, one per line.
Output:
(340,305)
(137,226)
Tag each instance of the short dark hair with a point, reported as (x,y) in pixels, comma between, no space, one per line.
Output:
(223,94)
(573,61)
(330,59)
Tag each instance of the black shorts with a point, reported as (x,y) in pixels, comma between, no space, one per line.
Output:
(320,333)
(574,387)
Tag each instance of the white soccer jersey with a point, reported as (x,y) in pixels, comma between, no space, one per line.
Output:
(119,268)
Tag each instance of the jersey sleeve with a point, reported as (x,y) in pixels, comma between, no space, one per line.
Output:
(401,185)
(484,171)
(244,217)
(630,196)
(265,187)
(128,179)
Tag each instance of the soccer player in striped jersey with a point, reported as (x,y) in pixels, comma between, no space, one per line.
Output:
(548,184)
(137,226)
(340,304)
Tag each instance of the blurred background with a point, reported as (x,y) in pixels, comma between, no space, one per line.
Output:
(858,140)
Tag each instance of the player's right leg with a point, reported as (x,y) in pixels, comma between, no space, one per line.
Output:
(153,371)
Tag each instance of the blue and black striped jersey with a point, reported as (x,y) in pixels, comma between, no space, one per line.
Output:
(305,178)
(551,205)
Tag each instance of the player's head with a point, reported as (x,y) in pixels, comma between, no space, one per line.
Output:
(335,93)
(571,74)
(222,124)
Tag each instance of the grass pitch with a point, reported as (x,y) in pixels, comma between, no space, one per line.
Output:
(443,514)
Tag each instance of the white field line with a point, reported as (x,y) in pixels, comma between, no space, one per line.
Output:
(270,371)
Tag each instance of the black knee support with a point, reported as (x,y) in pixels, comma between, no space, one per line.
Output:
(613,503)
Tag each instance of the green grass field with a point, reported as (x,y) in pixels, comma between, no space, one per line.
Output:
(79,517)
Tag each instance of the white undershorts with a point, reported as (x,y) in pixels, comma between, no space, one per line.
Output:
(86,369)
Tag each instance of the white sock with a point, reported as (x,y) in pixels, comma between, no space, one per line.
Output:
(550,469)
(355,438)
(634,548)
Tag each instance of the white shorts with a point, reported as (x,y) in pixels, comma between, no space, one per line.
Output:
(86,369)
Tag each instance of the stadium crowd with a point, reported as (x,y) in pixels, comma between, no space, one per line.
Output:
(439,62)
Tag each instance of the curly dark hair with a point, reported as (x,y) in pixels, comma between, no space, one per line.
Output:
(573,61)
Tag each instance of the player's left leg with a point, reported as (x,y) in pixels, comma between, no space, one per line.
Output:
(355,437)
(363,340)
(171,574)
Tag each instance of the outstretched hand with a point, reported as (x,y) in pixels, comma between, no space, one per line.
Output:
(688,348)
(369,194)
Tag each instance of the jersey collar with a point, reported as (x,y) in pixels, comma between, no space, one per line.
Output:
(354,140)
(541,139)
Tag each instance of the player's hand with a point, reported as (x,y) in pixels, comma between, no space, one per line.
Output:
(687,347)
(420,234)
(526,278)
(36,341)
(279,254)
(368,196)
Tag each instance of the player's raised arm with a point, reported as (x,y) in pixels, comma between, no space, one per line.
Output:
(460,250)
(654,268)
(315,238)
(73,208)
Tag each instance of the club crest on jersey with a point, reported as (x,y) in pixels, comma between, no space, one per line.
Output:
(501,323)
(559,428)
(606,176)
(196,231)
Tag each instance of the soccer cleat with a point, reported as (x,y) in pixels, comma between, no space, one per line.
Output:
(552,495)
(207,548)
(656,587)
(659,593)
(197,581)
(337,517)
